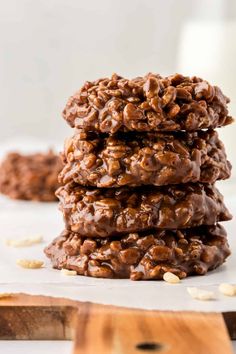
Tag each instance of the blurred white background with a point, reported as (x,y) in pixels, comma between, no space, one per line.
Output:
(48,48)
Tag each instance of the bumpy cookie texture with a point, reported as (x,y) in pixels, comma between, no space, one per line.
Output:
(149,103)
(30,177)
(142,256)
(106,212)
(144,158)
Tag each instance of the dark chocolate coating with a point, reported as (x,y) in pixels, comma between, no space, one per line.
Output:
(146,255)
(149,103)
(144,159)
(104,212)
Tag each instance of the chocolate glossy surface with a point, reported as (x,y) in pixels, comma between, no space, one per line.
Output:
(104,212)
(149,103)
(146,255)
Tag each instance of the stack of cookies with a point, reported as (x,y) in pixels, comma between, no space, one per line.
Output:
(138,194)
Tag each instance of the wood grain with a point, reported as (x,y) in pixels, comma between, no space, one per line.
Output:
(120,331)
(113,330)
(37,317)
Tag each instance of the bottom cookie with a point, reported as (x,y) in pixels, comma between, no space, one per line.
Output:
(146,255)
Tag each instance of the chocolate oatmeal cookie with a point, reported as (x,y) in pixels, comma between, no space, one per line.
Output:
(104,212)
(30,177)
(149,103)
(136,159)
(138,256)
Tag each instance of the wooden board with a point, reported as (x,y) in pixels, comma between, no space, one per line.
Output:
(107,329)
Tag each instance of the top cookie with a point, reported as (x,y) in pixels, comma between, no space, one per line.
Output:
(149,103)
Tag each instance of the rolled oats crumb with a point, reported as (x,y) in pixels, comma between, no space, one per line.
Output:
(200,294)
(227,289)
(5,295)
(171,278)
(24,242)
(30,263)
(68,272)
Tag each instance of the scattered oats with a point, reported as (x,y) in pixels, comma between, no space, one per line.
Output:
(24,242)
(227,289)
(202,295)
(68,272)
(30,263)
(4,295)
(171,278)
